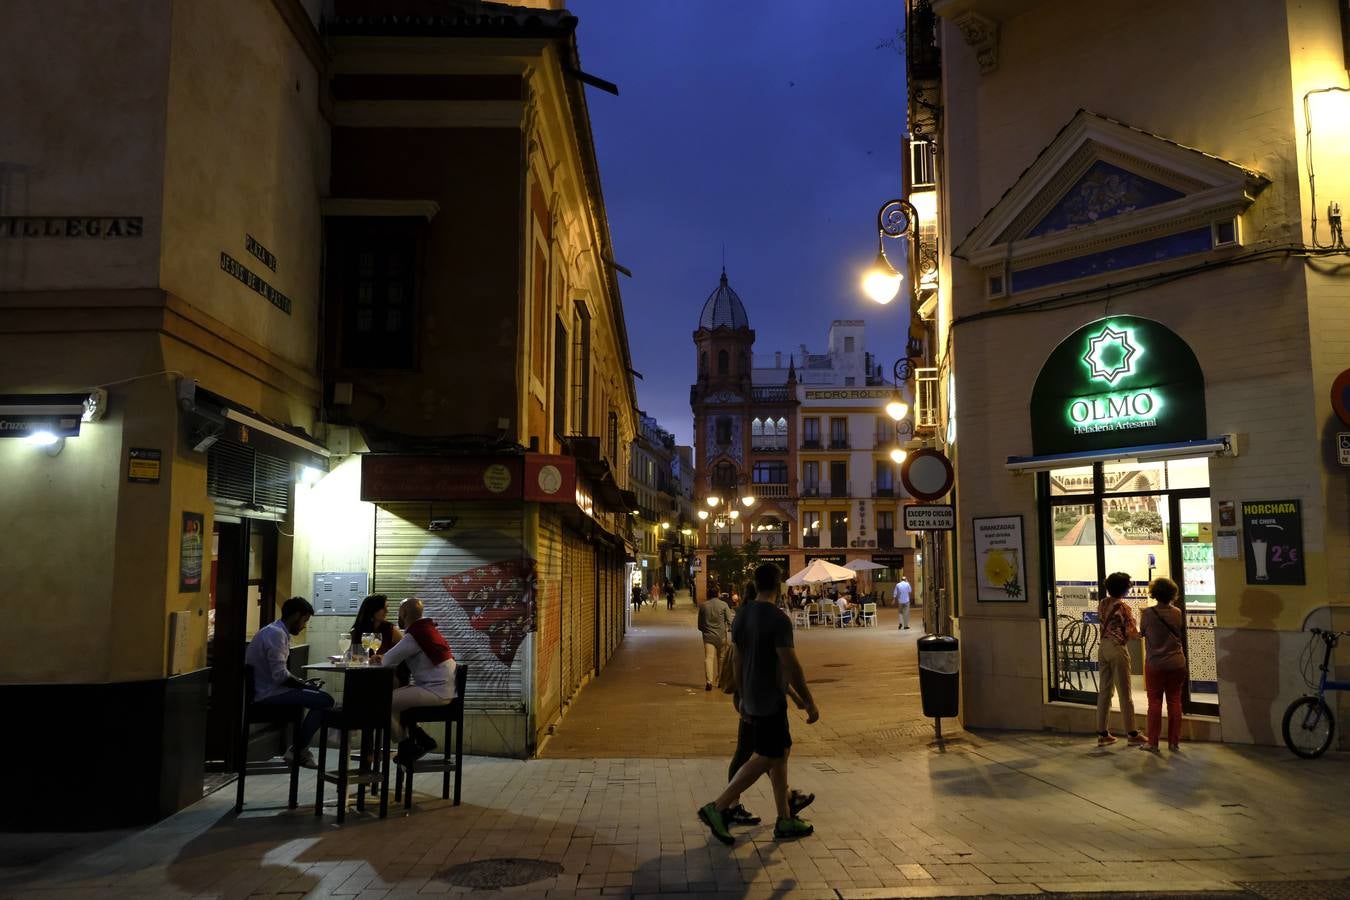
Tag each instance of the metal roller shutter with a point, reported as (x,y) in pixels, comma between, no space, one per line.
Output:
(571,595)
(548,658)
(472,574)
(586,659)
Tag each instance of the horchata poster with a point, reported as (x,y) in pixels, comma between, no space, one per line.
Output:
(1000,564)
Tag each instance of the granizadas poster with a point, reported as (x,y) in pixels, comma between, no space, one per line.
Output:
(1272,541)
(1000,564)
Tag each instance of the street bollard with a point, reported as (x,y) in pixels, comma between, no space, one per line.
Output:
(939,678)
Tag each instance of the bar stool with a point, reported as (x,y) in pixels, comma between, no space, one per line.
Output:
(366,697)
(256,713)
(451,713)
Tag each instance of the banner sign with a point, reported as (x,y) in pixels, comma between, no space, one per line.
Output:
(1272,541)
(537,477)
(190,552)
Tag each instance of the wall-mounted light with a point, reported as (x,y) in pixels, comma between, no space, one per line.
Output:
(47,441)
(309,475)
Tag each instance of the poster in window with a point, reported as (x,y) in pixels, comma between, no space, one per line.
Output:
(1272,541)
(190,554)
(1000,562)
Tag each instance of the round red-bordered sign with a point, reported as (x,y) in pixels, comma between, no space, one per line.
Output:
(1340,396)
(927,474)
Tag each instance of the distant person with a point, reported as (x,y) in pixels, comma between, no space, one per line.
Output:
(670,595)
(767,666)
(1164,663)
(273,683)
(714,623)
(432,665)
(1113,658)
(637,597)
(903,593)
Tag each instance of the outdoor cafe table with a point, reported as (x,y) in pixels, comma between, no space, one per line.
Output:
(367,692)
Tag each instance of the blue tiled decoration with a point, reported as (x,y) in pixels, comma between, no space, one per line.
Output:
(1184,243)
(1103,191)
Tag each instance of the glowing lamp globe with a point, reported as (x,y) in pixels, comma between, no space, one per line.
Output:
(881,282)
(898,455)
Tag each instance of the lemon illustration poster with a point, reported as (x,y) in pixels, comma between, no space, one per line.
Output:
(1000,563)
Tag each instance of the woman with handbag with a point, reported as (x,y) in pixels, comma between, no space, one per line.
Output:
(1164,663)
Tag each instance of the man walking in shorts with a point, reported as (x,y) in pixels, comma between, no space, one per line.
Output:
(767,665)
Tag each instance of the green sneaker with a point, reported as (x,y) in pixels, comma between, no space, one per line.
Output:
(792,828)
(710,816)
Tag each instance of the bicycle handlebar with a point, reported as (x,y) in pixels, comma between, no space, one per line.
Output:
(1322,632)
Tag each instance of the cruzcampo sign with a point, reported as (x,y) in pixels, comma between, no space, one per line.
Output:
(1117,382)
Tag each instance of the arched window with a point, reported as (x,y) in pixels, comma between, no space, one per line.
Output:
(723,362)
(724,477)
(758,429)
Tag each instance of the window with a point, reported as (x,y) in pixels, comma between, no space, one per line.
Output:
(838,434)
(703,363)
(723,362)
(838,479)
(757,431)
(581,371)
(885,431)
(723,428)
(848,345)
(540,309)
(613,438)
(375,286)
(724,477)
(838,529)
(559,377)
(811,432)
(811,478)
(885,479)
(886,529)
(770,473)
(810,529)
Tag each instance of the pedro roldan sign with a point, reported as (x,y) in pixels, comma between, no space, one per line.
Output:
(1118,382)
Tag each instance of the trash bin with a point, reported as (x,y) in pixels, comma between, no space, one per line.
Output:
(939,676)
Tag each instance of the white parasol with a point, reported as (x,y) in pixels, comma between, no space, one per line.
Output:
(821,572)
(862,565)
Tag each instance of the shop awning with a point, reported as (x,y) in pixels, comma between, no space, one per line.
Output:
(1222,445)
(214,417)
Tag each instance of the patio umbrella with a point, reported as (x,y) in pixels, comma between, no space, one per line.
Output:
(821,572)
(863,565)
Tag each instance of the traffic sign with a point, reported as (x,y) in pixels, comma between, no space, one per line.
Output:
(926,474)
(1343,447)
(930,517)
(1340,396)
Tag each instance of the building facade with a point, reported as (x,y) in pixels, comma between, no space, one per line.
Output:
(1144,302)
(236,349)
(795,460)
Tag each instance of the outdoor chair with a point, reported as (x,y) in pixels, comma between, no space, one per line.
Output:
(366,708)
(267,714)
(869,615)
(451,714)
(1077,653)
(802,617)
(828,614)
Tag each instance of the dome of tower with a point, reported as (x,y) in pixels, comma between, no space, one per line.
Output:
(723,309)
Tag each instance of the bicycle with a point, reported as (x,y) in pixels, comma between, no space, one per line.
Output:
(1309,724)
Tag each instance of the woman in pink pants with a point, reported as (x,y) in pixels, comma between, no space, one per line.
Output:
(1164,663)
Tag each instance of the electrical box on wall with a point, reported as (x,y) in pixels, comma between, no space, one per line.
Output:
(339,593)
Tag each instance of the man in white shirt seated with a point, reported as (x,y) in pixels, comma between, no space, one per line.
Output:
(845,611)
(432,666)
(273,683)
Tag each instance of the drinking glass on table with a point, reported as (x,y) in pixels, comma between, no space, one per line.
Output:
(372,643)
(344,645)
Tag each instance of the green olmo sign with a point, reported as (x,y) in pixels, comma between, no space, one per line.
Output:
(1117,382)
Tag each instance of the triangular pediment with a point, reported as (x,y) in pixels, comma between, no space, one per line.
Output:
(1101,183)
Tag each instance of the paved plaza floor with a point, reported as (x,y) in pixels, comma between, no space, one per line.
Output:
(609,808)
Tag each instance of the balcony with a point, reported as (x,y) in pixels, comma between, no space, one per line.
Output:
(810,490)
(886,538)
(839,443)
(772,491)
(811,444)
(883,439)
(770,394)
(726,538)
(839,489)
(883,490)
(768,445)
(811,541)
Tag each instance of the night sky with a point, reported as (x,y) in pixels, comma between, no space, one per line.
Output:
(773,128)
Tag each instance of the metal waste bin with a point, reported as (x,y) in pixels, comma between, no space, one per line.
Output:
(939,676)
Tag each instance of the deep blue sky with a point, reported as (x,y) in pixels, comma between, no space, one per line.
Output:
(771,127)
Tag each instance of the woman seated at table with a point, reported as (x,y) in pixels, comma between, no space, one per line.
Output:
(373,618)
(433,677)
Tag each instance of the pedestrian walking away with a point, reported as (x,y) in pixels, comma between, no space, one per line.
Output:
(1113,658)
(670,595)
(1164,663)
(903,592)
(767,666)
(714,622)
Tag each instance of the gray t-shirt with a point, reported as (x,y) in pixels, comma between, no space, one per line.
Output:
(714,618)
(759,630)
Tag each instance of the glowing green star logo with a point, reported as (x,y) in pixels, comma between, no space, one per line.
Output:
(1110,355)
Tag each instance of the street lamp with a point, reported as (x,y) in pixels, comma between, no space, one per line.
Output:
(703,515)
(896,218)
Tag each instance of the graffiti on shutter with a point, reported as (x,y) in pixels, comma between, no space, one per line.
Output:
(475,579)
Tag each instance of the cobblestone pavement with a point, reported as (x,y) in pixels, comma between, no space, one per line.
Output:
(1007,814)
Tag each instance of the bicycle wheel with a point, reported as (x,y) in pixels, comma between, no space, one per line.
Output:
(1308,727)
